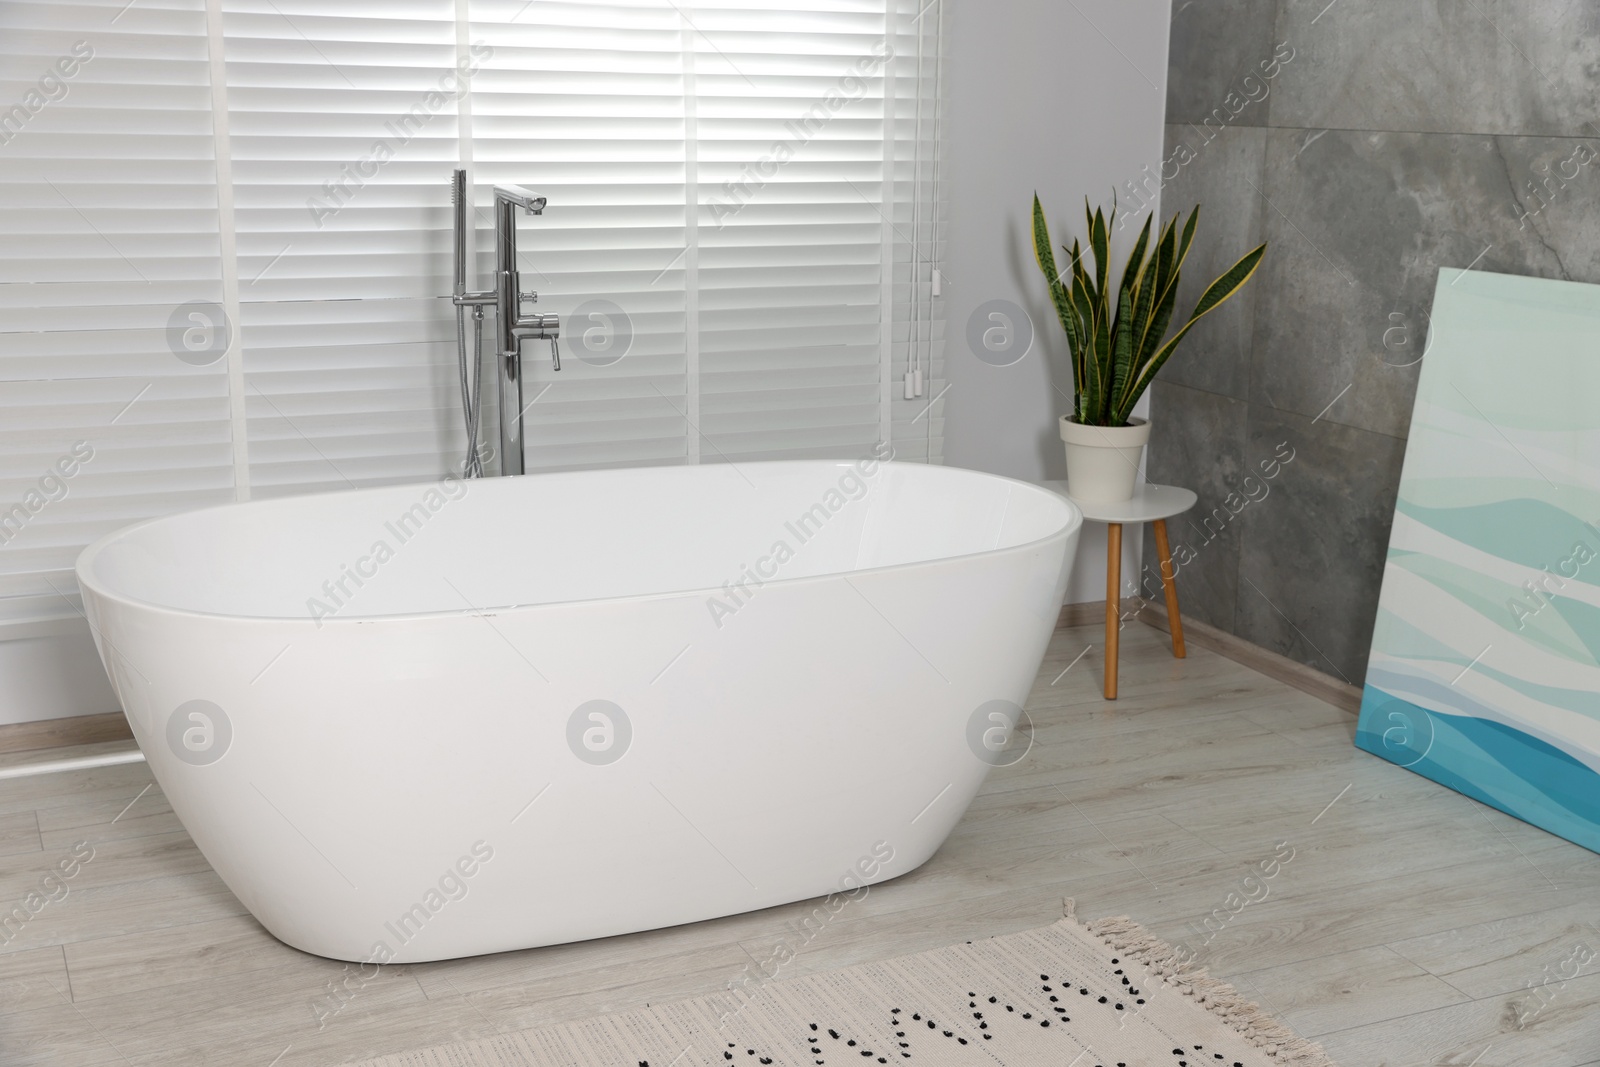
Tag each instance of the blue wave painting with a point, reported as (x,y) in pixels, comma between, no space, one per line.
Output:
(1485,668)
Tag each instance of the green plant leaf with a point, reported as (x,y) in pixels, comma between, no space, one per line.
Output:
(1083,295)
(1217,294)
(1059,295)
(1144,293)
(1160,319)
(1166,298)
(1073,315)
(1169,295)
(1160,286)
(1083,307)
(1041,243)
(1100,241)
(1123,369)
(1134,274)
(1133,278)
(1188,238)
(1093,388)
(1231,282)
(1104,357)
(1088,235)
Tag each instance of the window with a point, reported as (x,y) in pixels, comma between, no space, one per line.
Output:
(227,244)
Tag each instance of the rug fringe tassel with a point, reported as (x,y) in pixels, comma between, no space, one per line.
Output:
(1257,1027)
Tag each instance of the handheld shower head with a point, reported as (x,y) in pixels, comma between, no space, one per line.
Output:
(458,200)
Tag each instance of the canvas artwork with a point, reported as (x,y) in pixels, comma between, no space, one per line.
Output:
(1485,668)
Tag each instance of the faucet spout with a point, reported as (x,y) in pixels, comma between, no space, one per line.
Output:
(529,201)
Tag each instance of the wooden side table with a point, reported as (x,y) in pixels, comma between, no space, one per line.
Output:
(1154,504)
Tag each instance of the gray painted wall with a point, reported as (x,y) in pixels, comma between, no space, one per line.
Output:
(1067,99)
(1402,136)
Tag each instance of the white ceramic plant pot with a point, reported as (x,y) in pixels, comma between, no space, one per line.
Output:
(1103,461)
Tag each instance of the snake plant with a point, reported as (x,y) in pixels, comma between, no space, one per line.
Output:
(1116,337)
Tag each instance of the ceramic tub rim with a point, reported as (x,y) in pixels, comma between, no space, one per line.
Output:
(83,569)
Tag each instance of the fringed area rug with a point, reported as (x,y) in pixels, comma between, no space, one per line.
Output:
(1102,995)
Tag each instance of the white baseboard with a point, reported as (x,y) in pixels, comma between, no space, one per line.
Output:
(53,677)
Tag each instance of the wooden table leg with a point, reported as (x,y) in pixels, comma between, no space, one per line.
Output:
(1168,576)
(1113,604)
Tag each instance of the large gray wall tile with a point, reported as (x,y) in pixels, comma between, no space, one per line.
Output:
(1360,224)
(1557,208)
(1311,559)
(1216,354)
(1197,440)
(1404,136)
(1215,43)
(1441,66)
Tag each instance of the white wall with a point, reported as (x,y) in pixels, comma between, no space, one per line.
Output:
(1067,99)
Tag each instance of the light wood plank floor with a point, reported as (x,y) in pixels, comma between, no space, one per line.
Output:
(1410,926)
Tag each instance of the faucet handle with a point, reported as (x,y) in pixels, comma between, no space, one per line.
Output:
(532,298)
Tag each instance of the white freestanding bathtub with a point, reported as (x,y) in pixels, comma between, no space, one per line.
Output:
(428,721)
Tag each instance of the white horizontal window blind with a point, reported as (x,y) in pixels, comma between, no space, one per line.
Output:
(342,122)
(225,256)
(730,205)
(114,401)
(585,103)
(793,111)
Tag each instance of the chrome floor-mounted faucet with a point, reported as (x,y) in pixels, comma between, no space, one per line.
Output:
(512,325)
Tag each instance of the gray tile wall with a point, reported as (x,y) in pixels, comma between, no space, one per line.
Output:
(1401,136)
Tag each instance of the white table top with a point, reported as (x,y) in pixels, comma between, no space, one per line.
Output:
(1149,503)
